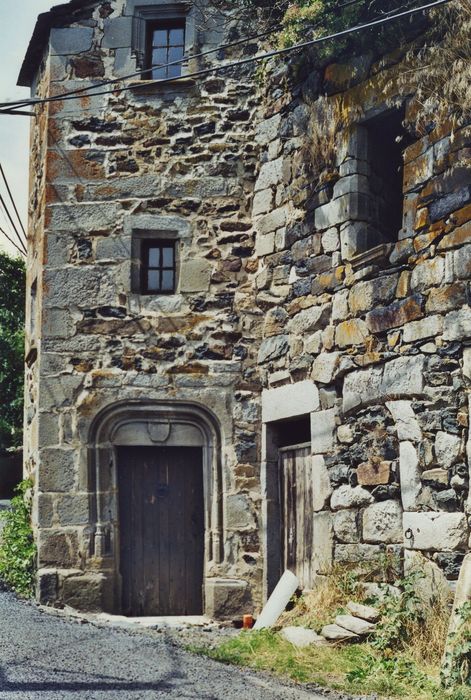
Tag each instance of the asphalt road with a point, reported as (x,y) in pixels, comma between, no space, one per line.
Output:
(43,656)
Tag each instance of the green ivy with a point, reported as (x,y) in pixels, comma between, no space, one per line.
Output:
(12,318)
(17,547)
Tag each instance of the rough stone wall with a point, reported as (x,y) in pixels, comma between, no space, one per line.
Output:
(381,334)
(180,159)
(274,293)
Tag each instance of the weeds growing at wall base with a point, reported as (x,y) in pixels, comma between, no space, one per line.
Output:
(402,660)
(17,548)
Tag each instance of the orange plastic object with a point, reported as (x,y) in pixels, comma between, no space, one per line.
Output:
(247,622)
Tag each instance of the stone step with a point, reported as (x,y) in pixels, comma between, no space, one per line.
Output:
(302,637)
(338,634)
(364,612)
(355,625)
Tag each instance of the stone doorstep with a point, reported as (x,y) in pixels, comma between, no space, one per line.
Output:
(174,623)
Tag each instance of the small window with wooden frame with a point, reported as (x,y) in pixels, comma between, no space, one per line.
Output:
(163,34)
(158,267)
(155,261)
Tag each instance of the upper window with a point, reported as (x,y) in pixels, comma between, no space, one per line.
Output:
(158,267)
(165,45)
(163,34)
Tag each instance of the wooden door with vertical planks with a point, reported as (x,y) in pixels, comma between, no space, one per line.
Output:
(161,513)
(296,510)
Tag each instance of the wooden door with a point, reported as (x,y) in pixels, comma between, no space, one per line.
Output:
(296,510)
(161,508)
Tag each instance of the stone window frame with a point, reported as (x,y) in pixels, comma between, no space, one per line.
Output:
(146,15)
(140,236)
(358,231)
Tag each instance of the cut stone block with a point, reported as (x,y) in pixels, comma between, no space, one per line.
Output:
(431,584)
(290,400)
(338,634)
(350,497)
(355,625)
(409,475)
(320,483)
(436,532)
(447,448)
(407,425)
(374,473)
(365,612)
(323,431)
(301,636)
(382,522)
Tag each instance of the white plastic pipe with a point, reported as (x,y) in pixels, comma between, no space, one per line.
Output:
(277,602)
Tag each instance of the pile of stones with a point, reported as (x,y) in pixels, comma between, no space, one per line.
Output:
(353,627)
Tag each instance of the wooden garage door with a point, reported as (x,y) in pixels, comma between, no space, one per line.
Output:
(161,530)
(296,511)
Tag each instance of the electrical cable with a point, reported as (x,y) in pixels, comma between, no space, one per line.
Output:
(5,208)
(141,72)
(22,252)
(4,177)
(253,59)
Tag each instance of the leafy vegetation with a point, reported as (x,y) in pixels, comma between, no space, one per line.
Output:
(12,315)
(401,660)
(456,668)
(17,548)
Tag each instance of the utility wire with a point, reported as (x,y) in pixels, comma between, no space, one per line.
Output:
(4,177)
(2,202)
(22,252)
(217,69)
(143,71)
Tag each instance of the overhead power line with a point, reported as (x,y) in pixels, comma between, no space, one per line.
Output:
(10,218)
(22,252)
(140,73)
(235,64)
(4,177)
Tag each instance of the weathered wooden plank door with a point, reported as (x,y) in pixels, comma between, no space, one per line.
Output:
(161,507)
(296,506)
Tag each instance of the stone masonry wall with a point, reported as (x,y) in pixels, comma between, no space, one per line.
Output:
(180,159)
(382,334)
(276,293)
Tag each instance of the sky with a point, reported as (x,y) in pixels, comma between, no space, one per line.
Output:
(17,20)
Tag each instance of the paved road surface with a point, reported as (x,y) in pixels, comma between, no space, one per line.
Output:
(50,658)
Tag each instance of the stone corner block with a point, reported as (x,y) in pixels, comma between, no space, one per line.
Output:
(195,276)
(323,428)
(226,599)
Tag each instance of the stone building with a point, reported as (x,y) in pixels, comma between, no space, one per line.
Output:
(237,362)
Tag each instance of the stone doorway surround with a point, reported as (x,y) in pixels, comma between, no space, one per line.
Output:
(147,424)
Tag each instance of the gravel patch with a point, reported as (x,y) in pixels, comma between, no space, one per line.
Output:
(53,656)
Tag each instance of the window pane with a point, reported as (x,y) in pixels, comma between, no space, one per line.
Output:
(153,281)
(160,37)
(159,57)
(159,73)
(174,71)
(175,54)
(167,281)
(167,257)
(176,37)
(154,257)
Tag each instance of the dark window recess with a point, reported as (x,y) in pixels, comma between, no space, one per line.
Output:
(158,267)
(165,44)
(386,141)
(295,431)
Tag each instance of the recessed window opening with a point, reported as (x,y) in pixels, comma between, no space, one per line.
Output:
(294,431)
(385,146)
(158,267)
(165,44)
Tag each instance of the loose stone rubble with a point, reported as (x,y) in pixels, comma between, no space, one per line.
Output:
(281,312)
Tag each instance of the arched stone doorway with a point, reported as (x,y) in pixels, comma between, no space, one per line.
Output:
(147,450)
